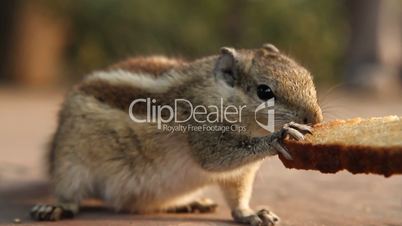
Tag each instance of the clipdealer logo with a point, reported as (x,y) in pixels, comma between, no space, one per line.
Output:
(270,124)
(212,115)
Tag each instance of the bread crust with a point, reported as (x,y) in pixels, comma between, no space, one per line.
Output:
(333,157)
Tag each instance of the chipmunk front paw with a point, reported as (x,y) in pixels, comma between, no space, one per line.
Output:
(262,217)
(294,130)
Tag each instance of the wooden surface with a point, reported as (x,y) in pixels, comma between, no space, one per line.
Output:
(298,197)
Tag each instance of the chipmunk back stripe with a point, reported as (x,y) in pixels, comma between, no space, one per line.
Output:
(115,95)
(154,65)
(119,88)
(145,82)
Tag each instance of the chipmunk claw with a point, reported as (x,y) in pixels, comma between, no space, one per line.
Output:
(301,127)
(294,130)
(281,149)
(44,212)
(268,217)
(262,217)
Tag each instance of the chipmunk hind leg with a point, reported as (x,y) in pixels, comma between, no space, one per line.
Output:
(69,188)
(186,203)
(200,205)
(193,202)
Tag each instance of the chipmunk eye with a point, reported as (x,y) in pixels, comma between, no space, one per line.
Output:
(264,92)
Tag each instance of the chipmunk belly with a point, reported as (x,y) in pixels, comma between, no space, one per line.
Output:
(165,179)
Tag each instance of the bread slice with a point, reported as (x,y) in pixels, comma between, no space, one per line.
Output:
(372,145)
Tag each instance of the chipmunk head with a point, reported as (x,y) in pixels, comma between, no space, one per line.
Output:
(253,77)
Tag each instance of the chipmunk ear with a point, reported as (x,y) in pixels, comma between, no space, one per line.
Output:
(270,48)
(225,68)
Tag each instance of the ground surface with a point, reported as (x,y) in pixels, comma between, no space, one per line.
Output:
(298,197)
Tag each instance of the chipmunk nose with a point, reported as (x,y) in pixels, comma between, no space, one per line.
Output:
(313,117)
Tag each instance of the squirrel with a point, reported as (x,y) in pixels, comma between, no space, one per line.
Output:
(100,151)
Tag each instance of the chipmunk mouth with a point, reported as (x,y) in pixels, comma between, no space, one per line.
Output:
(311,117)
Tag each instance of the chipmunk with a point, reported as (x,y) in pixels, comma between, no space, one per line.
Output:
(109,146)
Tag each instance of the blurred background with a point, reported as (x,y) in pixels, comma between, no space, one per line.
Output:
(352,47)
(349,43)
